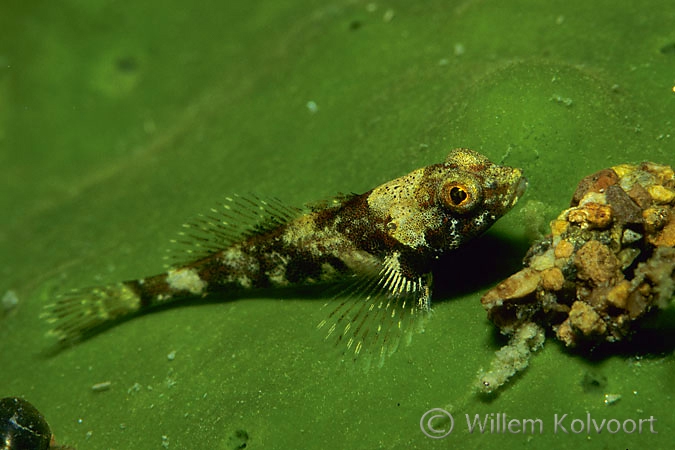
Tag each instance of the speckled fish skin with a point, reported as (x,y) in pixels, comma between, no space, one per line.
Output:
(391,234)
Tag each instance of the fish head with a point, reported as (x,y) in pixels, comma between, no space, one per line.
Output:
(441,206)
(470,194)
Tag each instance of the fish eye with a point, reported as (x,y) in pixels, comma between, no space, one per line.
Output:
(460,195)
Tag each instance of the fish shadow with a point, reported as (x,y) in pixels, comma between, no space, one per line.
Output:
(476,266)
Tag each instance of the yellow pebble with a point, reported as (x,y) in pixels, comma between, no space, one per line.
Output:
(619,294)
(552,279)
(564,249)
(661,194)
(558,227)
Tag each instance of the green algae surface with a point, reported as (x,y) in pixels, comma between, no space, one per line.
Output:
(118,122)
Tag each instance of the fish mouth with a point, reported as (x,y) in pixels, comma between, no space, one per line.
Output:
(521,187)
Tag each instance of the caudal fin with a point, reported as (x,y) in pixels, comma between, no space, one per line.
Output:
(75,314)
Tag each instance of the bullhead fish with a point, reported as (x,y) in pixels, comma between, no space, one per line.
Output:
(380,245)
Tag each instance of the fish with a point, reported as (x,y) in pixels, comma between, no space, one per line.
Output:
(379,247)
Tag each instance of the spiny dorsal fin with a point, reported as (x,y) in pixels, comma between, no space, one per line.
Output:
(332,202)
(235,219)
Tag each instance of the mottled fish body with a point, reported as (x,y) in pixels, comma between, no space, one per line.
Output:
(385,240)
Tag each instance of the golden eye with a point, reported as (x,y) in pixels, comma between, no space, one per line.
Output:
(460,196)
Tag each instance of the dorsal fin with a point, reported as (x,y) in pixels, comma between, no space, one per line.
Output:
(234,219)
(331,202)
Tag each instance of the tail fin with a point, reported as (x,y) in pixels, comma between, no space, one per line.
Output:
(78,312)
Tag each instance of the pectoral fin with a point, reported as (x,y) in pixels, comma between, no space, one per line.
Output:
(373,315)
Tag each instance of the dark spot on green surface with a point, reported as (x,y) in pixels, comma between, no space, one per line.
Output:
(117,72)
(355,25)
(127,64)
(668,49)
(593,381)
(238,440)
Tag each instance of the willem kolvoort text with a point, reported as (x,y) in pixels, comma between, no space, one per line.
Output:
(562,423)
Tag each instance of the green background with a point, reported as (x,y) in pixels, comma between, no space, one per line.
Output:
(120,120)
